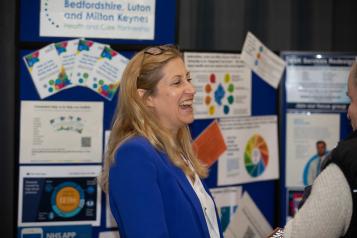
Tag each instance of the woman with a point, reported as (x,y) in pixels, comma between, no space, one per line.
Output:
(150,172)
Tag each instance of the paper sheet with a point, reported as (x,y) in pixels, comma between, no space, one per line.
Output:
(61,132)
(47,71)
(248,221)
(227,202)
(262,61)
(59,195)
(223,84)
(303,130)
(107,73)
(252,150)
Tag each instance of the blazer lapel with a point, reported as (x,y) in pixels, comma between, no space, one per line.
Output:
(188,190)
(191,194)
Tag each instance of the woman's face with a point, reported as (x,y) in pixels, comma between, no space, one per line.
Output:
(173,97)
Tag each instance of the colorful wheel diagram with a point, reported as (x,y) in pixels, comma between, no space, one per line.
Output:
(256,155)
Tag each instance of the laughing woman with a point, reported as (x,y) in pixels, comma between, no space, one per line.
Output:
(150,172)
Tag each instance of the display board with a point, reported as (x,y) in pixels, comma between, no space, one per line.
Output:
(54,175)
(313,114)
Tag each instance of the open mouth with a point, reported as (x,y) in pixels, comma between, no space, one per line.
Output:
(187,104)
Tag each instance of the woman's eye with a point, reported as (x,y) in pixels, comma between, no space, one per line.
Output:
(177,82)
(189,80)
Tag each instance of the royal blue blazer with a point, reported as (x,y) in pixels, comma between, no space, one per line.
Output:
(150,197)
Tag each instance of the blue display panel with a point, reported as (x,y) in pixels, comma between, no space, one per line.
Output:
(264,102)
(264,97)
(314,83)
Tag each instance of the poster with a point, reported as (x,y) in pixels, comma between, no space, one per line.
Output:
(317,82)
(61,132)
(47,72)
(223,84)
(107,73)
(59,195)
(252,150)
(227,202)
(87,56)
(248,221)
(67,52)
(109,234)
(209,145)
(109,218)
(262,61)
(82,231)
(303,131)
(294,197)
(113,19)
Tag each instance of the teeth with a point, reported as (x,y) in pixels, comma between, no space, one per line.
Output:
(186,103)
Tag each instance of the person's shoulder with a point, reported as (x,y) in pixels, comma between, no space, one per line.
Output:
(345,154)
(136,145)
(136,141)
(348,146)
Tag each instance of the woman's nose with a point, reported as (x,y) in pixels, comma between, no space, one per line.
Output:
(190,88)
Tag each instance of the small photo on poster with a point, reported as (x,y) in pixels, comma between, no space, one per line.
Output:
(59,195)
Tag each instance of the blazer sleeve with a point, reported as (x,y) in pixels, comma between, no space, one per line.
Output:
(134,192)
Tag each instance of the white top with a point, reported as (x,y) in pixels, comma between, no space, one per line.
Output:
(328,210)
(207,204)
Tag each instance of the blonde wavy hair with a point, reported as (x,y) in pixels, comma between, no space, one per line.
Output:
(134,118)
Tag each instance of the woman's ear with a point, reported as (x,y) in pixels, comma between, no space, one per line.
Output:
(148,100)
(141,92)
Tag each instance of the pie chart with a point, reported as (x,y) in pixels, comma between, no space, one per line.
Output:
(256,155)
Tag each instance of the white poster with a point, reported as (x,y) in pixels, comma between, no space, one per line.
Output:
(303,131)
(116,19)
(87,56)
(227,202)
(47,71)
(61,132)
(223,84)
(252,150)
(248,221)
(106,139)
(109,218)
(59,195)
(107,73)
(311,79)
(109,234)
(262,61)
(67,52)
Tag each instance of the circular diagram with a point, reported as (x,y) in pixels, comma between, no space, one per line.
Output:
(67,199)
(256,155)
